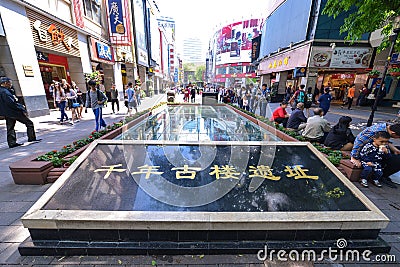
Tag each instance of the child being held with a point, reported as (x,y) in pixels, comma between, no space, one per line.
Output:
(371,156)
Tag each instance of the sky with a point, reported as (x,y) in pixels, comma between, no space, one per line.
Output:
(201,18)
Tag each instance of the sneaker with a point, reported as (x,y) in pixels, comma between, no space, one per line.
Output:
(377,183)
(364,182)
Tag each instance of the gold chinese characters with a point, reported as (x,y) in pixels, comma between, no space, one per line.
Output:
(219,172)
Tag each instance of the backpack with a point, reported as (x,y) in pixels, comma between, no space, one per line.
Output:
(309,99)
(300,97)
(100,97)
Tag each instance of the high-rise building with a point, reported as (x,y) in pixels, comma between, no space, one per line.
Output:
(192,51)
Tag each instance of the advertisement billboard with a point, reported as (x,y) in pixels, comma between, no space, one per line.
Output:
(118,22)
(291,18)
(340,57)
(140,33)
(234,41)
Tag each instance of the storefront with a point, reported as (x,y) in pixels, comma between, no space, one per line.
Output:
(340,67)
(286,68)
(56,48)
(102,59)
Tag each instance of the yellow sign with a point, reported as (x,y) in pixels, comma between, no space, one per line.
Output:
(278,63)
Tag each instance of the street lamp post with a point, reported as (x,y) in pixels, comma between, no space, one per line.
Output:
(392,39)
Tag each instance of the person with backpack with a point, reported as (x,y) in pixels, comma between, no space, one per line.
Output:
(95,99)
(308,101)
(299,96)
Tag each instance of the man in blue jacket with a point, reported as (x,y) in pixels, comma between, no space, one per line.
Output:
(13,112)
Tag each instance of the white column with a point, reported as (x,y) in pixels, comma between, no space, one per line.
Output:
(118,76)
(21,47)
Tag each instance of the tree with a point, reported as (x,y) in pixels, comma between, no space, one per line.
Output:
(200,73)
(368,16)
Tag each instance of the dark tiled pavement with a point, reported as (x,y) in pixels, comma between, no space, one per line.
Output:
(15,200)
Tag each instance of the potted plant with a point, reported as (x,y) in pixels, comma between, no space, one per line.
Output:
(374,74)
(395,72)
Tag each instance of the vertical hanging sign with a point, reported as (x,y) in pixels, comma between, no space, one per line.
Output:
(118,22)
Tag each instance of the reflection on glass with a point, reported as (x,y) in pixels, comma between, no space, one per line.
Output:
(197,123)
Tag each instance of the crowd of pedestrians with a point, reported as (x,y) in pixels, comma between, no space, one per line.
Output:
(370,149)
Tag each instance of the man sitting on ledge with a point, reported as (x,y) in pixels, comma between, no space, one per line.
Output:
(296,118)
(392,164)
(317,128)
(280,115)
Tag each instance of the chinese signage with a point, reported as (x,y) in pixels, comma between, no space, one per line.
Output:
(49,34)
(42,56)
(218,172)
(340,57)
(118,22)
(101,52)
(205,177)
(285,61)
(104,51)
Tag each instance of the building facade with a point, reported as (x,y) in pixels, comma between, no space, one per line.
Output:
(46,41)
(229,55)
(310,50)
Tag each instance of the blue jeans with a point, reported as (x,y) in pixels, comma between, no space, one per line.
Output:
(61,105)
(367,170)
(98,114)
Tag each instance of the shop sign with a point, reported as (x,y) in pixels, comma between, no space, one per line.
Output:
(28,70)
(299,72)
(340,57)
(52,35)
(41,56)
(343,76)
(101,52)
(395,59)
(285,61)
(55,33)
(118,22)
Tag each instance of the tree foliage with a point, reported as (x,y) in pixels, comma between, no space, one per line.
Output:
(369,15)
(199,72)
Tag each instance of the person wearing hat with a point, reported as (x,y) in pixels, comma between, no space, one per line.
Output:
(13,112)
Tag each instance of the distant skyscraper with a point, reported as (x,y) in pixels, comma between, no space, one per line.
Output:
(193,51)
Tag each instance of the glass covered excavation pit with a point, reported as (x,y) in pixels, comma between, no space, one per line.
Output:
(214,197)
(197,123)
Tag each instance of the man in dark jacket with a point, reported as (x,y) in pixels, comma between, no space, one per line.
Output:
(297,117)
(13,112)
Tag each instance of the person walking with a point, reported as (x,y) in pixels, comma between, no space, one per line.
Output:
(79,99)
(95,99)
(132,101)
(324,100)
(350,96)
(308,101)
(13,112)
(61,100)
(114,98)
(192,95)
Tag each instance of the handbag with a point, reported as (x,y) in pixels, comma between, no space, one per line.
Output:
(371,96)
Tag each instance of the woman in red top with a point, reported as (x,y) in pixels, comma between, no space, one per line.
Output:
(280,115)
